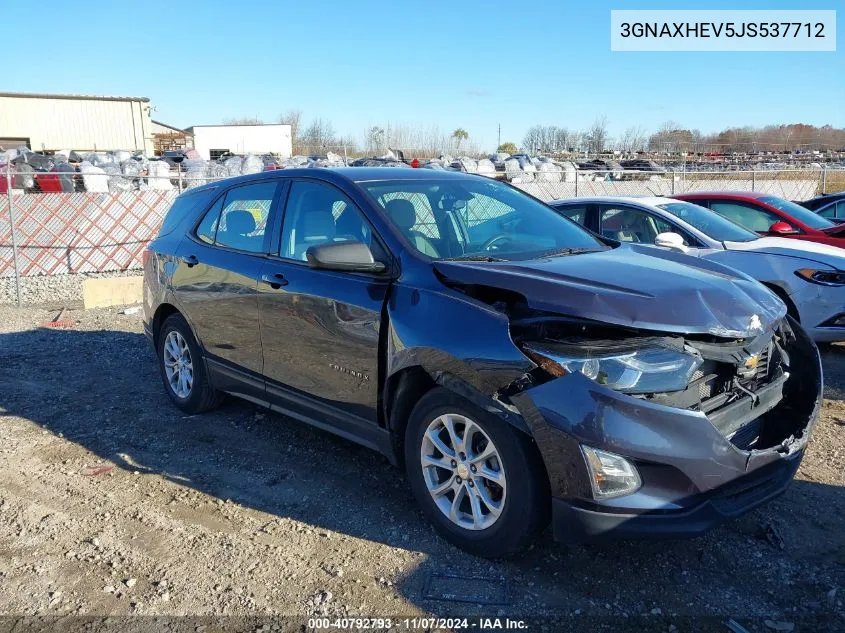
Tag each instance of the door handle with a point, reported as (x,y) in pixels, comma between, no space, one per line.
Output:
(190,261)
(275,281)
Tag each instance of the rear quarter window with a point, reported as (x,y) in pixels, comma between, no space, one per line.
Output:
(187,204)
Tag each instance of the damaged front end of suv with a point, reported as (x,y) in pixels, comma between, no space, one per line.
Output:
(647,431)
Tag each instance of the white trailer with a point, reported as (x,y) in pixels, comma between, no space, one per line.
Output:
(211,141)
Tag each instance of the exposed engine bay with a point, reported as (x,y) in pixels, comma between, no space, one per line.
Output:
(749,388)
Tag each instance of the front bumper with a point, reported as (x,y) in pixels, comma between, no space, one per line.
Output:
(580,522)
(693,476)
(819,305)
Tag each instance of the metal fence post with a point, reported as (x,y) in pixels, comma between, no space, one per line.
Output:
(14,233)
(753,180)
(824,178)
(576,183)
(673,182)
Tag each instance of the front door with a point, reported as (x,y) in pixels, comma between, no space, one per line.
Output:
(636,225)
(319,328)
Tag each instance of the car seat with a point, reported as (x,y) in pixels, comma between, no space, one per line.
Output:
(404,216)
(239,225)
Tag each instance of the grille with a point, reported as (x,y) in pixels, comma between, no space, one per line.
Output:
(745,438)
(763,364)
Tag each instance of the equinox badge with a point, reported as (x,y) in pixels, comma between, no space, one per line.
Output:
(351,372)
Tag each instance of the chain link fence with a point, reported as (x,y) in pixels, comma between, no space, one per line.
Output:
(70,223)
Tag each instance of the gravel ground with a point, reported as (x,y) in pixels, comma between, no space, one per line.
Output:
(113,502)
(48,290)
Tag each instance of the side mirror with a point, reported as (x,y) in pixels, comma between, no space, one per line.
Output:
(782,228)
(671,240)
(347,256)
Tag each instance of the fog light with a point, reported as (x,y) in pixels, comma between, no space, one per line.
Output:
(610,475)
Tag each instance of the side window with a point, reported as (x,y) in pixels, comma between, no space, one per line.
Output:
(207,229)
(187,204)
(317,213)
(829,211)
(840,210)
(752,218)
(485,217)
(243,219)
(626,224)
(575,212)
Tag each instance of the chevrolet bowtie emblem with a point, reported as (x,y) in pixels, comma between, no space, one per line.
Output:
(752,361)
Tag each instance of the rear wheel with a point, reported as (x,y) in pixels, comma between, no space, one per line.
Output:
(182,368)
(478,480)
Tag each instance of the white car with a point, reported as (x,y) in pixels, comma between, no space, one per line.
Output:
(809,277)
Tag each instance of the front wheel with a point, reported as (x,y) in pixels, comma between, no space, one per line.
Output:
(478,480)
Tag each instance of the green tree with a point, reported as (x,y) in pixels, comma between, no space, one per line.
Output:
(508,148)
(460,135)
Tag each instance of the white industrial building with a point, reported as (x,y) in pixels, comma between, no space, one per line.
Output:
(211,141)
(54,122)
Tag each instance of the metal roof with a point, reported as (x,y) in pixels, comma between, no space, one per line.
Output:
(238,125)
(171,127)
(37,95)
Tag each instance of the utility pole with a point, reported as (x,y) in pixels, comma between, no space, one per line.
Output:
(499,144)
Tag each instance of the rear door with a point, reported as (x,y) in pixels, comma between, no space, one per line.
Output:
(216,278)
(319,328)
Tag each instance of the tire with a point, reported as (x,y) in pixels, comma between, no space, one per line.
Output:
(520,508)
(201,396)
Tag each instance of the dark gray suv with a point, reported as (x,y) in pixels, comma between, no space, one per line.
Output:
(520,368)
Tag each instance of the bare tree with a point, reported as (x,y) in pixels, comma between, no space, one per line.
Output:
(533,138)
(319,134)
(375,139)
(596,136)
(633,140)
(292,118)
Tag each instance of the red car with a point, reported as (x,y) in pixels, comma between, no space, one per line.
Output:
(769,215)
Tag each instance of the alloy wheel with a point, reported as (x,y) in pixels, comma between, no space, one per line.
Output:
(463,472)
(178,366)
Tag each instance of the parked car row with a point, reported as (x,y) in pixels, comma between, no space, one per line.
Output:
(617,372)
(805,275)
(828,205)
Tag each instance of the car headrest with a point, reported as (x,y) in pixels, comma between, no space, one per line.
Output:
(240,222)
(312,199)
(318,223)
(402,213)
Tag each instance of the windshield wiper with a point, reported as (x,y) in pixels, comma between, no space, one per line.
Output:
(568,251)
(474,258)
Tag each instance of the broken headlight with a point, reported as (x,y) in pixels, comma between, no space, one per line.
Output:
(646,370)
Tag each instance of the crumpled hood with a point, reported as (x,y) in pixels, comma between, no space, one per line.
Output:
(633,286)
(832,256)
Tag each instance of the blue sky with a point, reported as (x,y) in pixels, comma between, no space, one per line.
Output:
(426,62)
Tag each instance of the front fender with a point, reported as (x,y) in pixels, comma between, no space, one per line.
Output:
(472,354)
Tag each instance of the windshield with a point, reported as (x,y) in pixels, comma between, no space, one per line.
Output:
(811,219)
(475,218)
(708,222)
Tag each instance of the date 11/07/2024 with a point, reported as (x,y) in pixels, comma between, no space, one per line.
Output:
(410,624)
